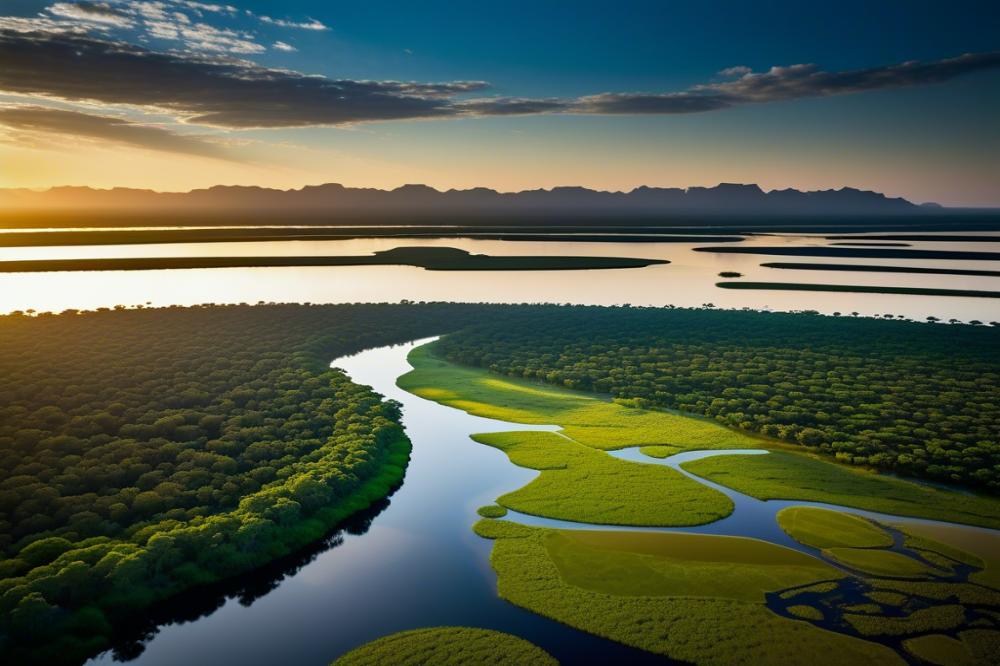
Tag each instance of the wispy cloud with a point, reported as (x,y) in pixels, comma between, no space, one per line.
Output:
(31,120)
(311,24)
(93,12)
(282,46)
(225,92)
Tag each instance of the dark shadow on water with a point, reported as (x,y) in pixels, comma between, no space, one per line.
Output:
(132,636)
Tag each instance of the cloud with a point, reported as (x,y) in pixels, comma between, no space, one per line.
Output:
(282,46)
(46,121)
(226,92)
(206,90)
(738,70)
(95,12)
(311,24)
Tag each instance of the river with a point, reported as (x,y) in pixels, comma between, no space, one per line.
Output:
(411,562)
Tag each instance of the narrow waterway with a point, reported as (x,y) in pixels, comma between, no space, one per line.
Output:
(417,563)
(412,561)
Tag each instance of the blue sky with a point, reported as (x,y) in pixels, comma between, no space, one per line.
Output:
(928,134)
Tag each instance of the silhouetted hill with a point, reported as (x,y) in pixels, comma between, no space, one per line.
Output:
(334,200)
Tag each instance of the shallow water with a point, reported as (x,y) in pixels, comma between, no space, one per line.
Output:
(688,281)
(417,563)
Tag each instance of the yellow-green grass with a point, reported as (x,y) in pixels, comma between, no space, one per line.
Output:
(887,598)
(695,629)
(881,562)
(823,528)
(939,649)
(968,594)
(806,612)
(680,565)
(587,485)
(453,646)
(585,418)
(795,476)
(982,644)
(492,511)
(935,618)
(975,547)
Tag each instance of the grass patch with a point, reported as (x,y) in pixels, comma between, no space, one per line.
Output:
(680,565)
(790,476)
(980,549)
(587,485)
(935,618)
(694,629)
(806,612)
(939,649)
(492,511)
(584,418)
(822,528)
(448,645)
(880,562)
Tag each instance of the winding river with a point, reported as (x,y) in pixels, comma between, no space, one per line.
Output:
(410,562)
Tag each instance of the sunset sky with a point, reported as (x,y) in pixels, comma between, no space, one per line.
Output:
(900,97)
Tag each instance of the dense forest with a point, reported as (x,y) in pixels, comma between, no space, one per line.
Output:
(146,451)
(911,398)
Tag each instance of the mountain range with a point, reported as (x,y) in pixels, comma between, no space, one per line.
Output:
(334,199)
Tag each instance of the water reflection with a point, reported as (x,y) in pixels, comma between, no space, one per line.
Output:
(688,281)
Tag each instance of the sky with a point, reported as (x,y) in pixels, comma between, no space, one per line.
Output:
(899,97)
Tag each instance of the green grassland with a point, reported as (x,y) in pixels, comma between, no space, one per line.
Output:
(881,562)
(783,475)
(583,484)
(452,646)
(939,649)
(585,418)
(980,549)
(822,528)
(702,630)
(680,565)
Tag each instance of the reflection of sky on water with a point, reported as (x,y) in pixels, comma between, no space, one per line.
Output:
(688,281)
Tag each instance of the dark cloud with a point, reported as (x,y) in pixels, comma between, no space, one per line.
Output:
(226,92)
(210,91)
(47,120)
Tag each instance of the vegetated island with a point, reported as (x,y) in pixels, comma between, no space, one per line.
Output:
(860,289)
(675,594)
(448,645)
(257,234)
(874,244)
(429,258)
(866,268)
(941,238)
(857,252)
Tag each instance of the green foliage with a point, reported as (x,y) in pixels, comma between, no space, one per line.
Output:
(911,398)
(935,618)
(583,418)
(701,630)
(451,646)
(806,612)
(143,452)
(822,528)
(578,481)
(585,485)
(680,565)
(792,476)
(492,511)
(939,649)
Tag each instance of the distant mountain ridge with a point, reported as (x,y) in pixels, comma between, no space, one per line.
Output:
(333,198)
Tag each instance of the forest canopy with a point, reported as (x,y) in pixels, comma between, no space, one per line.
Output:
(911,398)
(146,451)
